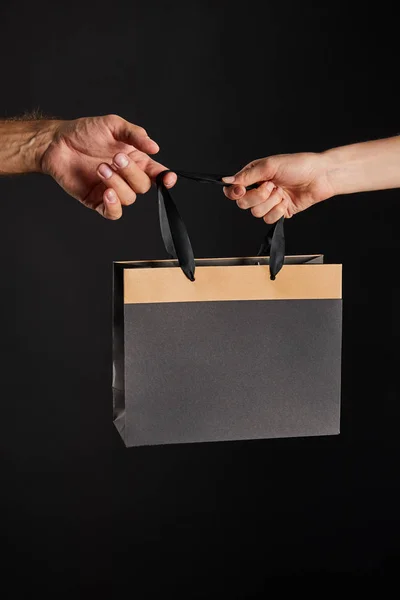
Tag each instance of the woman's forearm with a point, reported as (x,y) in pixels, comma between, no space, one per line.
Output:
(22,144)
(364,167)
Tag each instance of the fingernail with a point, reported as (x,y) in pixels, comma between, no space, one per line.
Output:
(111,197)
(228,179)
(270,186)
(238,191)
(169,180)
(121,160)
(105,171)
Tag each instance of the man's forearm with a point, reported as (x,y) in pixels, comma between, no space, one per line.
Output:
(364,167)
(22,144)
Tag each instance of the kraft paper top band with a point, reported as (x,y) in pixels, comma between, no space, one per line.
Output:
(222,283)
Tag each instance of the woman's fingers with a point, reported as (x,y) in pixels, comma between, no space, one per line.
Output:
(260,200)
(276,213)
(234,192)
(274,208)
(262,209)
(257,196)
(258,170)
(266,202)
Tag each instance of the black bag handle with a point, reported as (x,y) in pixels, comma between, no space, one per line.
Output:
(176,239)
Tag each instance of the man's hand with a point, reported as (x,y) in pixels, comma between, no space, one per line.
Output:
(289,183)
(101,161)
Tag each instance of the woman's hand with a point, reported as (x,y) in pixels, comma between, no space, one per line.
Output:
(289,183)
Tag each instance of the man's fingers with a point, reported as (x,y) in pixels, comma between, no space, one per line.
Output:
(136,136)
(170,179)
(111,207)
(135,177)
(125,192)
(139,174)
(153,168)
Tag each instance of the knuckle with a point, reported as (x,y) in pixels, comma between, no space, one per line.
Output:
(256,211)
(267,189)
(140,130)
(113,119)
(244,175)
(280,210)
(269,219)
(266,163)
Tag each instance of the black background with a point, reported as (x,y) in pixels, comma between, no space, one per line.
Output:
(216,84)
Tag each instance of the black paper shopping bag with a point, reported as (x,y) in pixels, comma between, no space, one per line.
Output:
(228,350)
